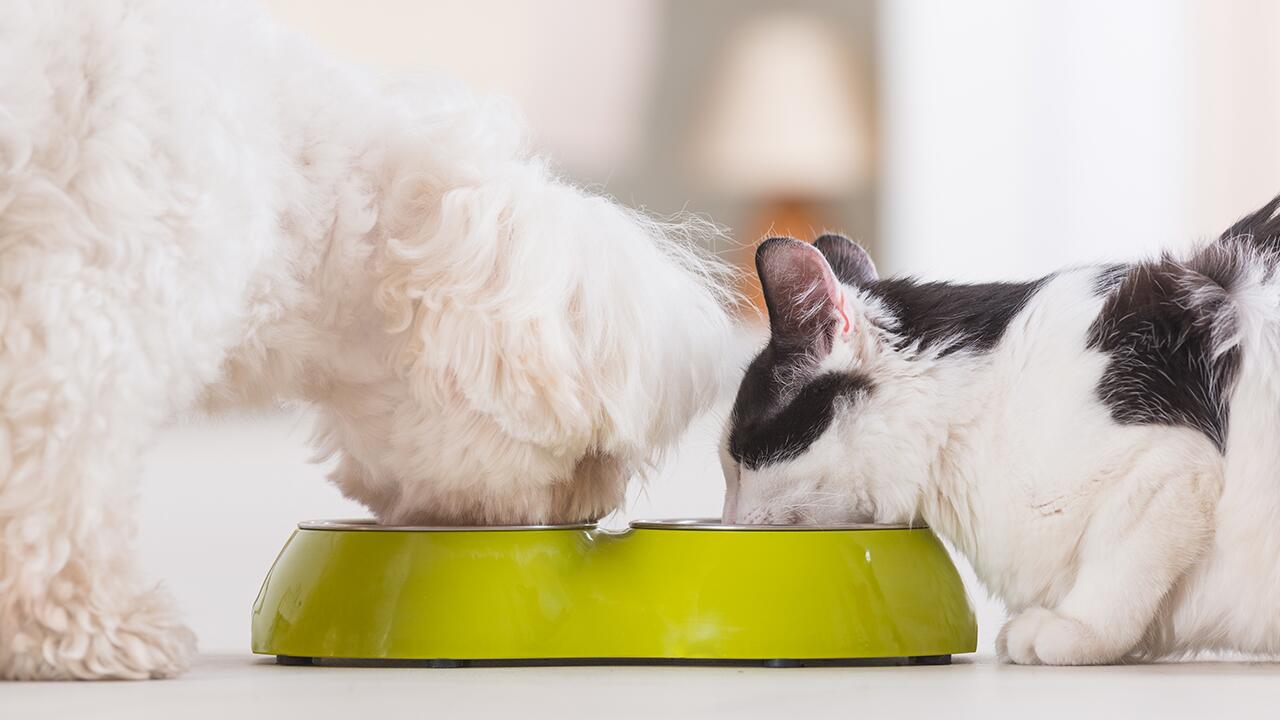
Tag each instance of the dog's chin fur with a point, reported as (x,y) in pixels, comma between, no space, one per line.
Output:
(199,211)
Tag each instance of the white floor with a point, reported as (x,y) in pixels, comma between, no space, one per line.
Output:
(242,687)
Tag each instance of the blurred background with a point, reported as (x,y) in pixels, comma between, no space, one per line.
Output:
(978,140)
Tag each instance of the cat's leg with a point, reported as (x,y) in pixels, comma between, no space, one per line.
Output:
(81,390)
(1135,546)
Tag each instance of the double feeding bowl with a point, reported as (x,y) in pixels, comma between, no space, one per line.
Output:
(689,591)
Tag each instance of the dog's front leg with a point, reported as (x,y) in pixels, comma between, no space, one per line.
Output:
(80,393)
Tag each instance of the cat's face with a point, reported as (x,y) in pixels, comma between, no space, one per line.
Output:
(787,452)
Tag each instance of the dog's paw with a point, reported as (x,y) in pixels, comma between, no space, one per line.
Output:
(1038,636)
(79,643)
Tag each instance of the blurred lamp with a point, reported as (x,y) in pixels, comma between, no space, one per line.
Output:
(784,128)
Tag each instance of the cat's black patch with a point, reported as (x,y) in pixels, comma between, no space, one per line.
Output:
(1109,278)
(965,317)
(771,423)
(1168,328)
(1261,229)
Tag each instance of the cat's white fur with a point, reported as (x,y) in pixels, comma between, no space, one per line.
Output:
(198,210)
(1106,542)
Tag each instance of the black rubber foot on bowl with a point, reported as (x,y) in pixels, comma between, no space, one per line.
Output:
(443,664)
(929,660)
(779,663)
(294,660)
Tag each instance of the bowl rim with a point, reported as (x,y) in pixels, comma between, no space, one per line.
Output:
(371,525)
(714,525)
(669,524)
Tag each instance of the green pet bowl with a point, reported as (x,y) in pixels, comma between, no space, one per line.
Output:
(665,591)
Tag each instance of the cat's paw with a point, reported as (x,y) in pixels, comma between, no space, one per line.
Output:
(1039,636)
(1017,640)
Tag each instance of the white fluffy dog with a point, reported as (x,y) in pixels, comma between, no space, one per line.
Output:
(197,210)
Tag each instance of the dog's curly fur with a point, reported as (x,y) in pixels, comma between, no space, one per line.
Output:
(198,210)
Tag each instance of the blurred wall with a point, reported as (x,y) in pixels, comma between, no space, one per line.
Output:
(1021,137)
(582,72)
(612,90)
(1013,137)
(694,35)
(1233,108)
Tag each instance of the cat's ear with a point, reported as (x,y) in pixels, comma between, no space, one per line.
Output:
(848,260)
(804,299)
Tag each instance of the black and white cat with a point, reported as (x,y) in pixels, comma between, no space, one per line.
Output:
(1069,435)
